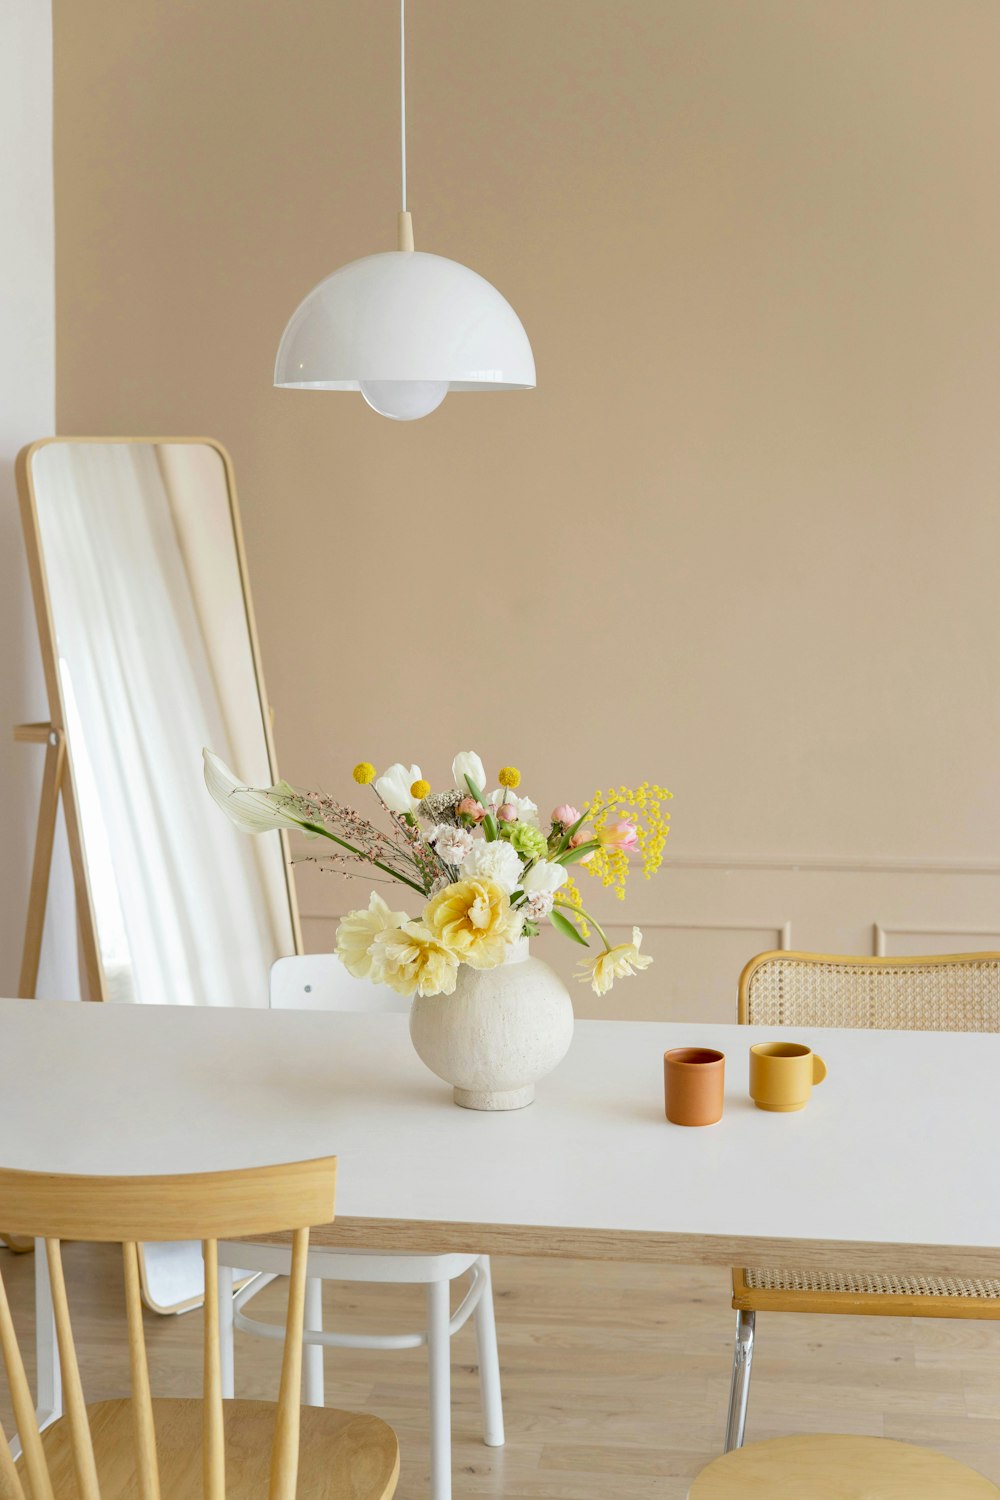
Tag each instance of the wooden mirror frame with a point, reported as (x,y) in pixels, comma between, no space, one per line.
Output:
(58,779)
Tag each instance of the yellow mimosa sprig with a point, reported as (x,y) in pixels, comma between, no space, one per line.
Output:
(642,807)
(572,901)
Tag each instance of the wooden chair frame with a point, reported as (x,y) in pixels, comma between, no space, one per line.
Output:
(212,1205)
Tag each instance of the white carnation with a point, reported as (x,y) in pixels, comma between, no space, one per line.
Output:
(453,844)
(496,861)
(544,878)
(539,905)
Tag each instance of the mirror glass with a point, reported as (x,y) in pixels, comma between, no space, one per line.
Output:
(154,657)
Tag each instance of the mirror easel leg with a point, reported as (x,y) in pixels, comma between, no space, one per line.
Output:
(48,810)
(38,895)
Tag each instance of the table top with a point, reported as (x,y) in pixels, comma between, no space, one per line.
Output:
(893,1163)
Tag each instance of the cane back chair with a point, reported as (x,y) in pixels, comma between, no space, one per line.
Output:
(947,992)
(140,1446)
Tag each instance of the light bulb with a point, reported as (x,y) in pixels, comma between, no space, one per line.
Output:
(404,400)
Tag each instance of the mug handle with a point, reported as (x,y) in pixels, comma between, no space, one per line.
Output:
(819,1068)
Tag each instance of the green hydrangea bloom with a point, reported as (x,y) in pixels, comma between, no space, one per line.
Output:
(529,842)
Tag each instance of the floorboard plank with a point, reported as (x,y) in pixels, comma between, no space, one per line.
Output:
(615,1376)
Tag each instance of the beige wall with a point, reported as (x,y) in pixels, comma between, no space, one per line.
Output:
(27,408)
(744,536)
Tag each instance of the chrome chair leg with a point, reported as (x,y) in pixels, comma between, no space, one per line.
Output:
(739,1390)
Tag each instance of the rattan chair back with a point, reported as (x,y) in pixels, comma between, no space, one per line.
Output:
(946,992)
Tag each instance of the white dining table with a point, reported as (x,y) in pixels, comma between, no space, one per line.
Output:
(892,1166)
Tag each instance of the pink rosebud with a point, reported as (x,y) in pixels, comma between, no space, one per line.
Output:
(470,808)
(583,836)
(507,813)
(565,815)
(622,835)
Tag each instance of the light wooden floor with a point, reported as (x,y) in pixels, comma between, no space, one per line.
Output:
(615,1376)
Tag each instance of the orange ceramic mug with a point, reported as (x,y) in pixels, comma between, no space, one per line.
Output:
(782,1075)
(693,1081)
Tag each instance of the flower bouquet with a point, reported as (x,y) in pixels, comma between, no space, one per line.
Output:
(486,869)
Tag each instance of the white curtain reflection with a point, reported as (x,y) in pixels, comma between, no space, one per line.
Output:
(185,905)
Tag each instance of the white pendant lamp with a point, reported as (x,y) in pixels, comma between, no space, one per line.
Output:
(404,328)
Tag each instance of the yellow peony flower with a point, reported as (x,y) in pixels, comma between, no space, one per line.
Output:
(412,962)
(509,776)
(420,789)
(614,963)
(359,929)
(364,772)
(474,920)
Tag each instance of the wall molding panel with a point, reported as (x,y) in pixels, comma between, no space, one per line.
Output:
(703,921)
(940,940)
(782,930)
(697,961)
(848,864)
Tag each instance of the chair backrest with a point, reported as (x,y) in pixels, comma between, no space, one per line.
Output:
(319,981)
(946,992)
(208,1206)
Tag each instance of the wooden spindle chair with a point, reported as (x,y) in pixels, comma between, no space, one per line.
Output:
(138,1447)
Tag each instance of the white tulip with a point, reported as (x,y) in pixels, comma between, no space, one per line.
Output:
(394,788)
(467,763)
(497,862)
(252,809)
(544,878)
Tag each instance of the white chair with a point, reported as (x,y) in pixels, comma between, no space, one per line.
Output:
(320,982)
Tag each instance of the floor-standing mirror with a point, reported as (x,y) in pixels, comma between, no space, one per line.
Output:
(150,653)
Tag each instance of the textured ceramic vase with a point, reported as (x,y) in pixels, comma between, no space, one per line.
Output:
(500,1031)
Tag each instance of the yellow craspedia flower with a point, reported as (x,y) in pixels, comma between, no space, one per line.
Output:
(420,789)
(473,919)
(364,772)
(411,961)
(509,777)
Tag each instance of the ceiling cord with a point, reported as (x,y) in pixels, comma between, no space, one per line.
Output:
(402,94)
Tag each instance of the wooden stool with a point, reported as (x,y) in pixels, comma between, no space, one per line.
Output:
(828,1467)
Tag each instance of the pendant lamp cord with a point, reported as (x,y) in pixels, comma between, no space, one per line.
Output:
(402,95)
(405,224)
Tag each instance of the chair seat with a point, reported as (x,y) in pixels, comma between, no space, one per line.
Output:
(829,1467)
(334,1264)
(757,1289)
(342,1455)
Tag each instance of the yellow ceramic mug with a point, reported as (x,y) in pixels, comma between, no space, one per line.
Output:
(782,1075)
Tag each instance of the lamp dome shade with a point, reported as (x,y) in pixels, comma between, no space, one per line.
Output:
(405,316)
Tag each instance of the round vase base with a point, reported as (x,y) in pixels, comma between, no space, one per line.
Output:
(495,1098)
